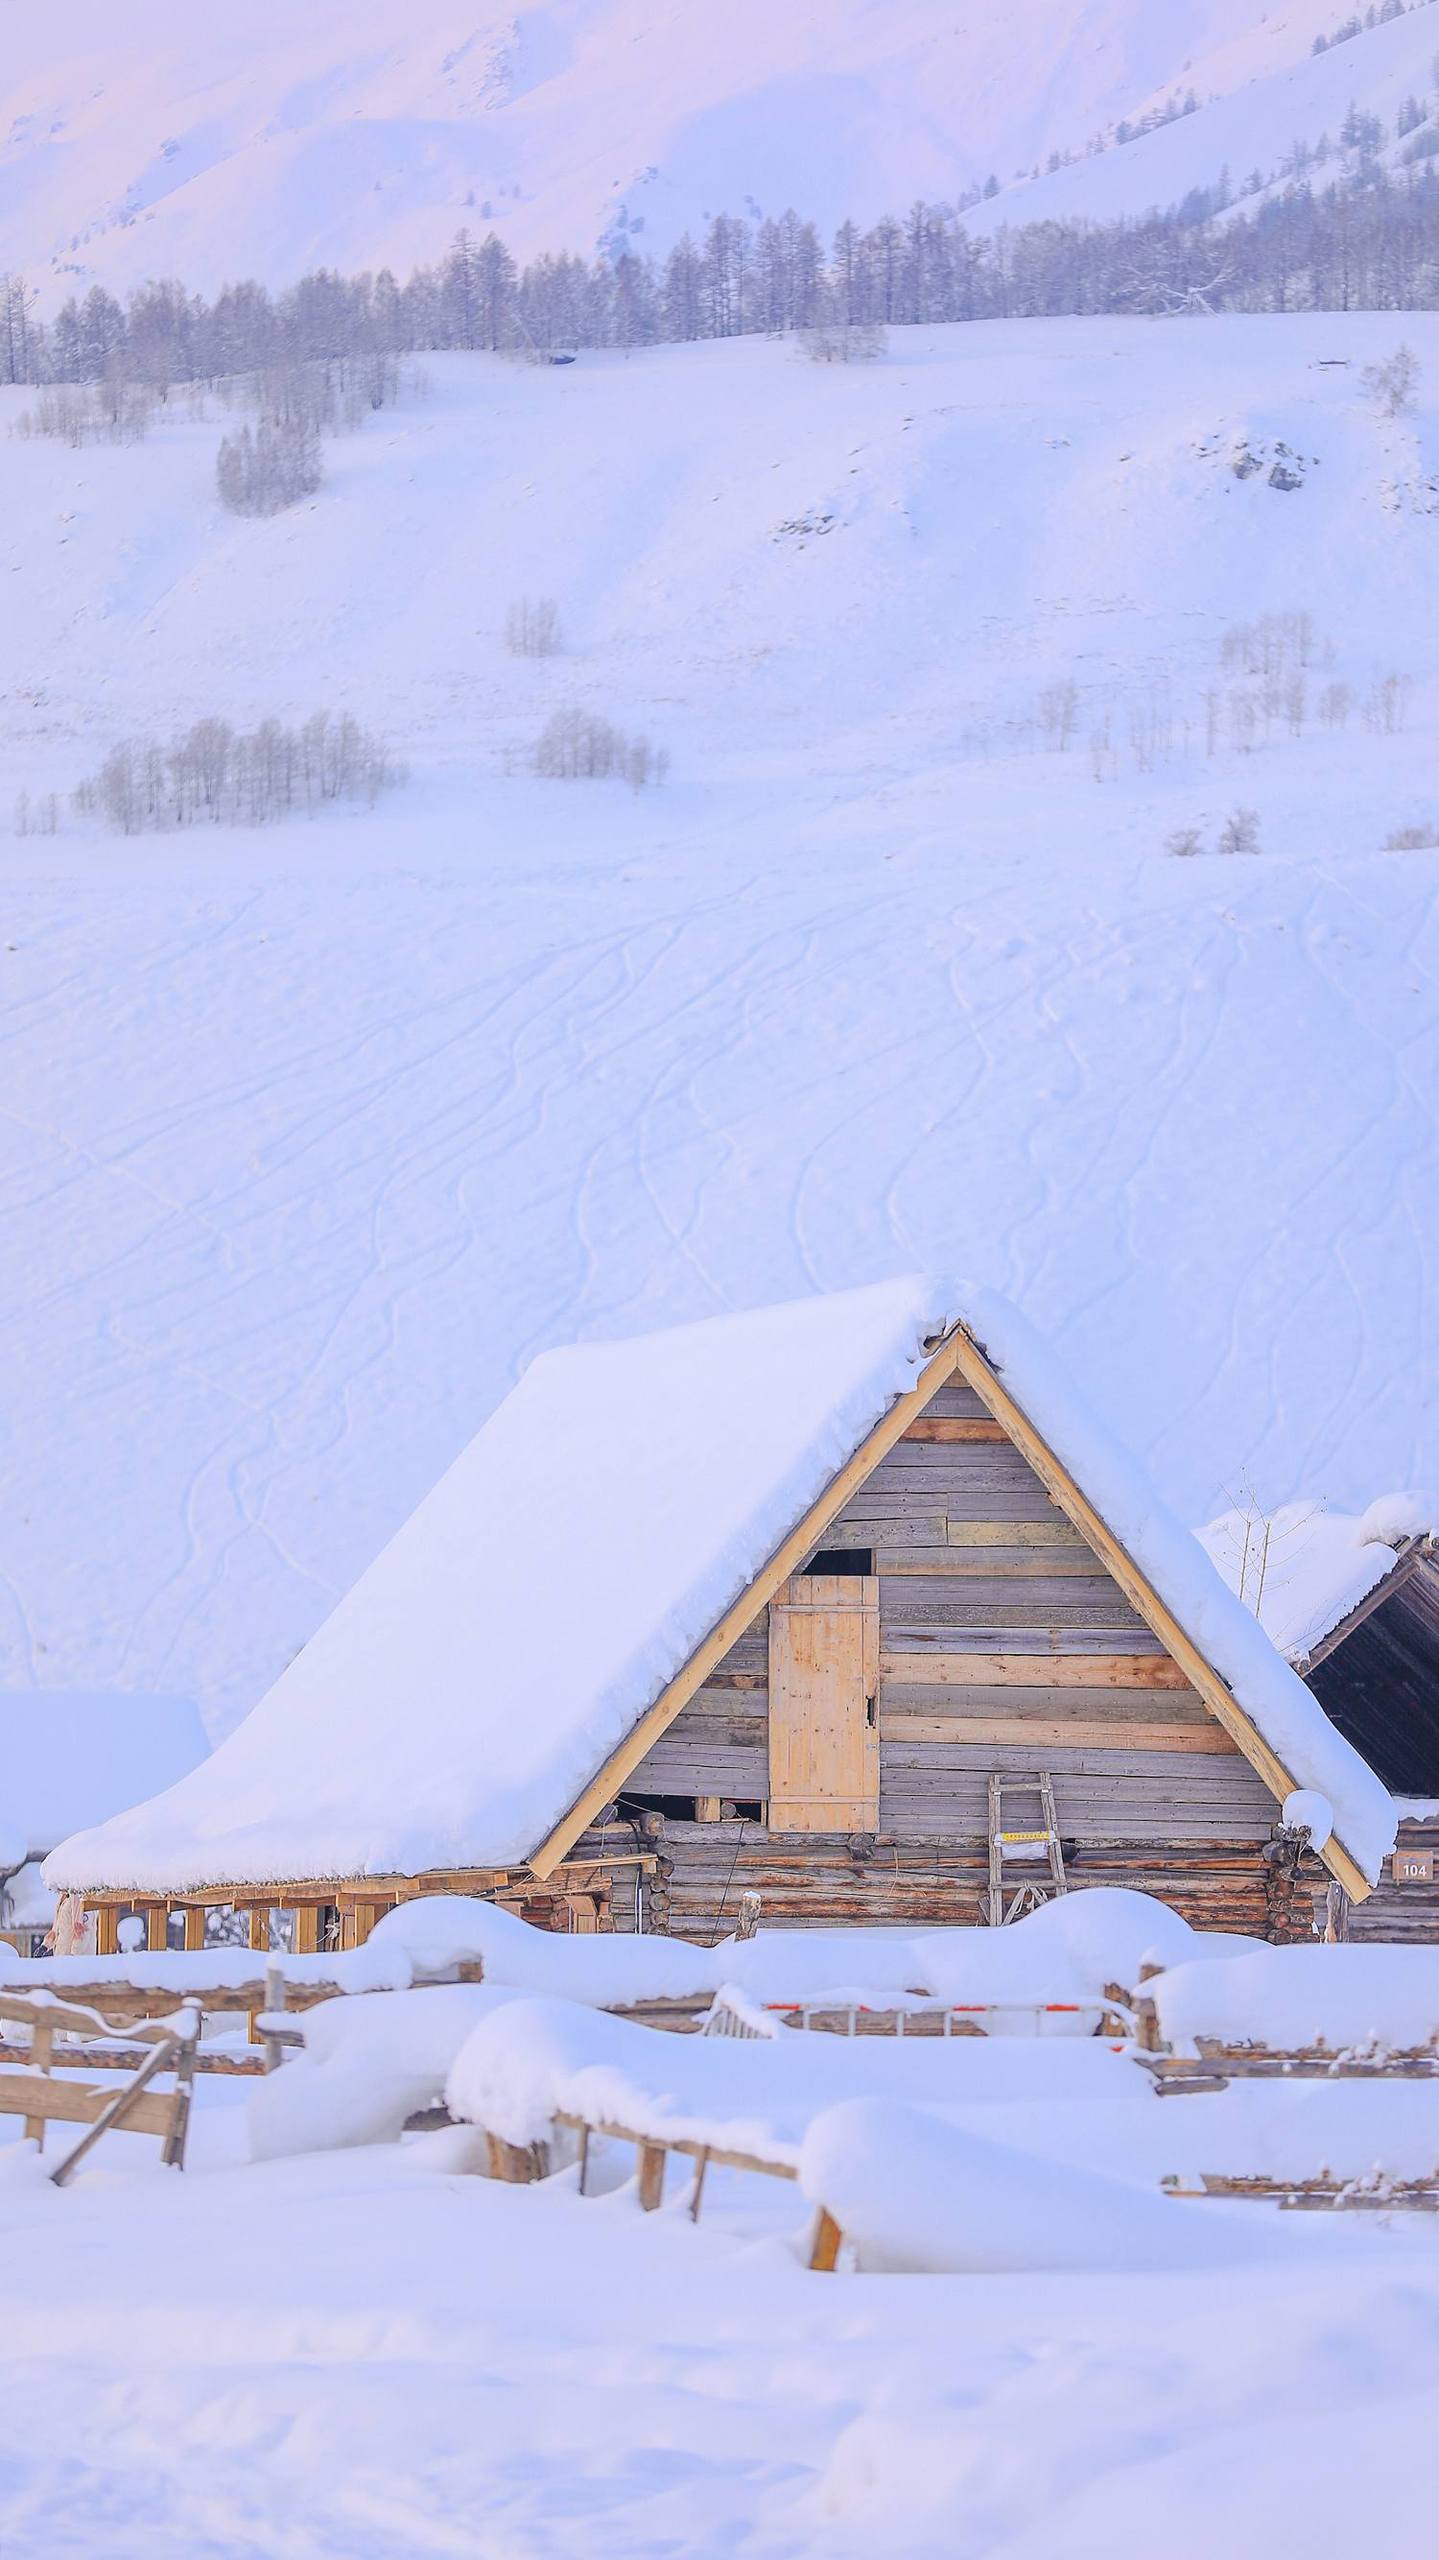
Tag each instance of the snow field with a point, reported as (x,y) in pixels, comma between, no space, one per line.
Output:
(357,2352)
(287,1217)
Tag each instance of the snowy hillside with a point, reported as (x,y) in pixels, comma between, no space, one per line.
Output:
(314,1136)
(159,139)
(1250,129)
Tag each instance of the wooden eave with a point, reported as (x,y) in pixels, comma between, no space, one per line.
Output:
(960,1357)
(1407,1560)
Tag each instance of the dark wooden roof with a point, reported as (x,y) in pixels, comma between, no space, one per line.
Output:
(1380,1686)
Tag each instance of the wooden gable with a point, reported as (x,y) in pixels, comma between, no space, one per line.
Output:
(1002,1623)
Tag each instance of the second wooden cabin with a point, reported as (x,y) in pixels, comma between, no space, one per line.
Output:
(849,1604)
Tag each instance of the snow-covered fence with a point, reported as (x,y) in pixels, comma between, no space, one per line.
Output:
(41,2099)
(1327,2012)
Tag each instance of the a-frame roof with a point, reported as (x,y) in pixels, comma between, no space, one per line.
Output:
(552,1604)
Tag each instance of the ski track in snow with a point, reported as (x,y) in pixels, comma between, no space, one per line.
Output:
(309,1140)
(684,1114)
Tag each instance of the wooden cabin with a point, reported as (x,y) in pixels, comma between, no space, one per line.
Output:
(849,1605)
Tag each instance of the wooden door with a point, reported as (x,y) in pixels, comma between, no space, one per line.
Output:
(824,1704)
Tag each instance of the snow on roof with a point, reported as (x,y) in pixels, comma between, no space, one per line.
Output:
(68,1758)
(564,1569)
(1302,1568)
(508,1639)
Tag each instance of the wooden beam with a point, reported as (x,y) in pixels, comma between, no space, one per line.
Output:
(786,1559)
(954,1431)
(1049,1733)
(1033,1671)
(971,1364)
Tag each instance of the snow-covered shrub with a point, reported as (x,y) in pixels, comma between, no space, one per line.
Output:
(263,469)
(845,342)
(532,628)
(575,746)
(236,777)
(1412,839)
(1393,383)
(1185,840)
(1240,832)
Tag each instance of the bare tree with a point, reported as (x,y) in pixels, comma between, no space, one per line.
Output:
(576,746)
(1059,713)
(212,773)
(258,472)
(532,628)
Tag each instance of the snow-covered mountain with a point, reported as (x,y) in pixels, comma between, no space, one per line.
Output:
(159,138)
(312,1136)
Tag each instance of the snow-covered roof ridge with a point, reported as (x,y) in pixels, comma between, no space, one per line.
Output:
(448,1712)
(1302,1568)
(506,1643)
(1183,1574)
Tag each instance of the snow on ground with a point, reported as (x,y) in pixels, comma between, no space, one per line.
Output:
(314,1137)
(352,134)
(375,2354)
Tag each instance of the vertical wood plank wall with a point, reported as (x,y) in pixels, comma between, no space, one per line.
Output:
(1003,1645)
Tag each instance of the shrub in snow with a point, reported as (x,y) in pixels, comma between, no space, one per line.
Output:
(532,628)
(1240,832)
(260,471)
(236,777)
(845,342)
(575,746)
(108,412)
(1185,841)
(1393,383)
(1418,839)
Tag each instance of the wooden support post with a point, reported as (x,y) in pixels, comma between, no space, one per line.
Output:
(650,2163)
(307,1929)
(107,1927)
(824,2248)
(155,1932)
(584,2157)
(699,2186)
(195,1916)
(42,2045)
(515,2164)
(260,1929)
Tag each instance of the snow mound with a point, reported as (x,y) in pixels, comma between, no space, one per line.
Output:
(1072,1948)
(535,2059)
(367,2065)
(911,2193)
(1370,1998)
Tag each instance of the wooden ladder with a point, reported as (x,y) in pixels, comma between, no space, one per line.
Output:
(1010,1840)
